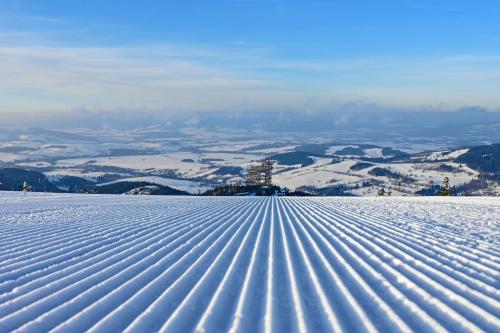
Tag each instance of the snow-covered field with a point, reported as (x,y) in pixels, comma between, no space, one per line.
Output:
(214,158)
(70,263)
(178,184)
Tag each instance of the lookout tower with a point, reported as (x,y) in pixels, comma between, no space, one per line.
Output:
(261,173)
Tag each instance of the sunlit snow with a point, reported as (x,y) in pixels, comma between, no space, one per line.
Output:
(103,263)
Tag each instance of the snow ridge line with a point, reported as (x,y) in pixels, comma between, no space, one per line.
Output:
(452,307)
(243,264)
(102,258)
(82,288)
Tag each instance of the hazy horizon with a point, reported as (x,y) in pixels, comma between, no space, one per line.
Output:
(246,56)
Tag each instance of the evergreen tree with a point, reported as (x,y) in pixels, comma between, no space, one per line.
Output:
(25,187)
(445,190)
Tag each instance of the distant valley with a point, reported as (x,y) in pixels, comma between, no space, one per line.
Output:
(192,160)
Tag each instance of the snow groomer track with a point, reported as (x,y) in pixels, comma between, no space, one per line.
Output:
(72,263)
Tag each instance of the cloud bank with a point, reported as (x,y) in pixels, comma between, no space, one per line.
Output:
(57,78)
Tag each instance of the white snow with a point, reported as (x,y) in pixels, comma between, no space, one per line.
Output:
(228,147)
(332,150)
(424,172)
(446,155)
(178,161)
(178,184)
(35,164)
(140,162)
(457,153)
(104,263)
(320,174)
(92,176)
(8,157)
(275,150)
(374,152)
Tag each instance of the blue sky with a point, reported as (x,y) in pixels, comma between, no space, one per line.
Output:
(242,55)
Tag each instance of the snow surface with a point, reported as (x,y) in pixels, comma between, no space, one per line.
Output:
(103,263)
(321,174)
(8,157)
(446,155)
(332,150)
(178,184)
(178,161)
(374,152)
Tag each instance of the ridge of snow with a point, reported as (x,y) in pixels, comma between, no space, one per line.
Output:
(104,263)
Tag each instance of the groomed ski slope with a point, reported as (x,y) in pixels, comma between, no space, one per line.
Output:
(72,263)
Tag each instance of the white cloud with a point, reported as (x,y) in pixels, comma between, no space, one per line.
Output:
(119,77)
(236,77)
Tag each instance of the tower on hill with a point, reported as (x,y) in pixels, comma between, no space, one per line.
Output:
(261,173)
